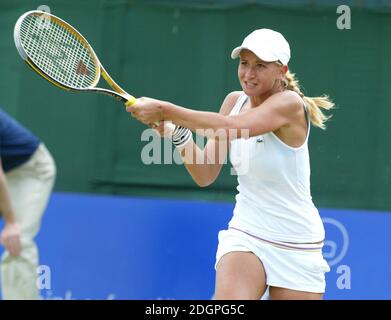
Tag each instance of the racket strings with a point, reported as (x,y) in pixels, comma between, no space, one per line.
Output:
(58,52)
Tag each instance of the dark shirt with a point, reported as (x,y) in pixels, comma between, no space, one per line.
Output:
(17,144)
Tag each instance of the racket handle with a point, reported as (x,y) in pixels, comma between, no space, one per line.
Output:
(168,124)
(131,101)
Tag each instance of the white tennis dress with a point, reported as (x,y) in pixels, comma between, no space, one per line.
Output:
(274,215)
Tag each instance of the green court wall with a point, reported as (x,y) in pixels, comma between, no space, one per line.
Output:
(181,52)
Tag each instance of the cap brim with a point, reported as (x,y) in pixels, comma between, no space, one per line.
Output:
(267,57)
(235,52)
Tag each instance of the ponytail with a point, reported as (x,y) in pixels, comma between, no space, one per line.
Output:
(314,104)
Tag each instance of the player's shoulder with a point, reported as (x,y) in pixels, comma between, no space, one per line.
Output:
(230,101)
(287,100)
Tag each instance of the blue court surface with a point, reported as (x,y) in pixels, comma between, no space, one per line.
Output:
(106,247)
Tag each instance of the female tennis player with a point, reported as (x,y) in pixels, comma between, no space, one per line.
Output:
(275,237)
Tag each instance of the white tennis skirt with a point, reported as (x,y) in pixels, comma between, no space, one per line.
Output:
(298,267)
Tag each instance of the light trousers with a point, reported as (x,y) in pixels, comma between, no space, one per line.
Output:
(30,186)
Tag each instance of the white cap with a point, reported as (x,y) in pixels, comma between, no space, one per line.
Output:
(266,44)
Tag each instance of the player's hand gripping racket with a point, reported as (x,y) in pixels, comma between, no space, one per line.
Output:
(60,54)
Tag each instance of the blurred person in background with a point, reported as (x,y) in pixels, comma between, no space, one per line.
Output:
(27,175)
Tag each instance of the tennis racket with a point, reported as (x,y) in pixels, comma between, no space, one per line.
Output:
(60,54)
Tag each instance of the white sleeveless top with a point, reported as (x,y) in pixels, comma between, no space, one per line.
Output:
(274,199)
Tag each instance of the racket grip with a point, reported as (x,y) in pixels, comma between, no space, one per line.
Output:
(131,101)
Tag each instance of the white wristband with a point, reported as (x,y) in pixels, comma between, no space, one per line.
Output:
(181,136)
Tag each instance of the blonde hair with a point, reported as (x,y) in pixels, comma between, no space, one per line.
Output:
(314,104)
